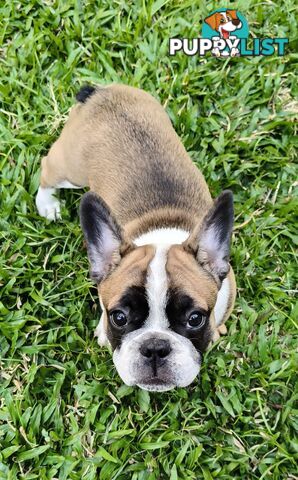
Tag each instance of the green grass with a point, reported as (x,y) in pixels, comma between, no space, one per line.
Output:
(64,412)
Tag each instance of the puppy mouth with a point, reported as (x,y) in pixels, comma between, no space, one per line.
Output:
(156,385)
(225,33)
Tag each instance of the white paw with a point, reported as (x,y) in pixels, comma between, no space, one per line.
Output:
(216,52)
(100,333)
(234,52)
(48,206)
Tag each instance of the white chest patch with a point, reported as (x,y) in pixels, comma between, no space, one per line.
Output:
(157,281)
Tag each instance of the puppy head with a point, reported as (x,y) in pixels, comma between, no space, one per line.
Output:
(158,299)
(224,22)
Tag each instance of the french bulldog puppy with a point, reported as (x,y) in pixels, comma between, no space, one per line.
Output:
(158,244)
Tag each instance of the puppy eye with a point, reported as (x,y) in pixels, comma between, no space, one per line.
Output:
(229,18)
(222,20)
(118,318)
(196,320)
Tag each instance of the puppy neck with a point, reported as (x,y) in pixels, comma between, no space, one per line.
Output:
(162,237)
(164,223)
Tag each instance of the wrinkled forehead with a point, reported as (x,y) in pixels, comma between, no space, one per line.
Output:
(187,276)
(131,272)
(159,270)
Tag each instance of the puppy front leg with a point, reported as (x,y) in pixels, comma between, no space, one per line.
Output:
(234,52)
(220,330)
(100,333)
(216,52)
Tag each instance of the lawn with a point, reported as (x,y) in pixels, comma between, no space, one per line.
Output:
(64,412)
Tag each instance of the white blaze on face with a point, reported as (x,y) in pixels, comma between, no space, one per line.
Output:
(157,281)
(156,288)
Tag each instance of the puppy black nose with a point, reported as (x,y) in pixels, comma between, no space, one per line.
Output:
(155,349)
(236,22)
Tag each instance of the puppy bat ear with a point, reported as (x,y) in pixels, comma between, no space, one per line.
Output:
(212,21)
(102,234)
(210,242)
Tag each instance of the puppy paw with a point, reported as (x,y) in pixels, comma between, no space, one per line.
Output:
(47,205)
(101,335)
(222,329)
(235,52)
(215,336)
(216,52)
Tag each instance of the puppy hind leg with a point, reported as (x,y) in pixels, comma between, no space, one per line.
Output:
(52,178)
(47,204)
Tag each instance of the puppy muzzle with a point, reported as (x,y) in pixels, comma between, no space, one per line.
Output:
(157,360)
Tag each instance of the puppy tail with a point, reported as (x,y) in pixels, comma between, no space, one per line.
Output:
(85,92)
